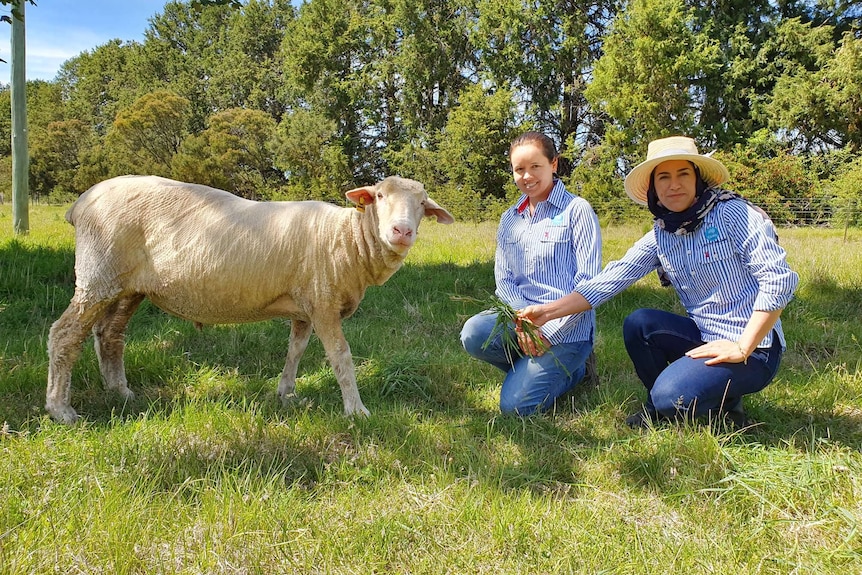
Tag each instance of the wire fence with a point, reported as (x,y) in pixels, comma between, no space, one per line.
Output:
(797,212)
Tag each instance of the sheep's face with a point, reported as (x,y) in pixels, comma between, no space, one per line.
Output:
(400,205)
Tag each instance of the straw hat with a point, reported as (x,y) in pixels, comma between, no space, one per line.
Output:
(712,171)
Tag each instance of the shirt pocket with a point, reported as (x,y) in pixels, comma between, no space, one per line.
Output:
(715,265)
(714,252)
(554,250)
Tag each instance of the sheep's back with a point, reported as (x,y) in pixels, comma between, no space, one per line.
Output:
(209,256)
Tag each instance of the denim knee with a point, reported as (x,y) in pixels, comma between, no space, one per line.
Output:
(633,325)
(473,335)
(522,406)
(509,404)
(668,401)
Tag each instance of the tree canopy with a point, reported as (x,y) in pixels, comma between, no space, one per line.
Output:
(271,100)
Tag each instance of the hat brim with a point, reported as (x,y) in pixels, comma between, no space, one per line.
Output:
(713,172)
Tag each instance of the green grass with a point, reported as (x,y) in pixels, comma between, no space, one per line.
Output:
(205,472)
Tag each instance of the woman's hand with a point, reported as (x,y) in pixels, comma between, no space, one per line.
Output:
(528,344)
(719,351)
(536,314)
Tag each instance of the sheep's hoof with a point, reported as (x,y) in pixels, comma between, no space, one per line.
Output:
(359,410)
(65,414)
(289,399)
(125,393)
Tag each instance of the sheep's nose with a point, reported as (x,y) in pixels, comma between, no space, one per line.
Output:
(403,230)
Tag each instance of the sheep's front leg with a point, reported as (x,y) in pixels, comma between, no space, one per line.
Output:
(300,332)
(338,351)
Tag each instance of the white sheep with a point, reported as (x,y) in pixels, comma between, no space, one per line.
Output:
(214,258)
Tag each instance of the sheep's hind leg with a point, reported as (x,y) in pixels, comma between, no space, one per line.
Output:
(109,335)
(300,333)
(65,340)
(338,352)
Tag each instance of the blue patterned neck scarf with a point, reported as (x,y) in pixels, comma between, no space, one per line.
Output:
(686,221)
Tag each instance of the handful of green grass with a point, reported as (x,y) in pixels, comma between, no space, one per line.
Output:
(506,315)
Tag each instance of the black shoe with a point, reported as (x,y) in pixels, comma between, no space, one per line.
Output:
(734,419)
(737,419)
(591,373)
(644,418)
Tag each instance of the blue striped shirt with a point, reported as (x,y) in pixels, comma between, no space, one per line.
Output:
(728,268)
(543,257)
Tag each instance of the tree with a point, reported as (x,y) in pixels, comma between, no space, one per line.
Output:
(650,79)
(57,151)
(243,66)
(843,74)
(96,84)
(766,172)
(545,51)
(598,178)
(324,63)
(472,173)
(847,190)
(731,90)
(233,153)
(144,137)
(179,49)
(44,105)
(801,104)
(421,51)
(307,149)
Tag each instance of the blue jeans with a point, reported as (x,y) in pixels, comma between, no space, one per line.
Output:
(531,383)
(678,385)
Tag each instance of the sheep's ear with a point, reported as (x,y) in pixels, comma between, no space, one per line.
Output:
(432,208)
(361,196)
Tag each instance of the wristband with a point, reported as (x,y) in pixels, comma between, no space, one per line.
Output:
(744,357)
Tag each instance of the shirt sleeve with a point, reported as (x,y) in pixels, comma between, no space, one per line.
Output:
(638,261)
(754,239)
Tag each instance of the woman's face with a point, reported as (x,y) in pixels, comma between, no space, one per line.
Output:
(675,184)
(533,172)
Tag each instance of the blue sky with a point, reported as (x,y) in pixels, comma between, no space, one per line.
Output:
(57,30)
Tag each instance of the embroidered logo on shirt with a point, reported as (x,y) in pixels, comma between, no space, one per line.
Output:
(557,220)
(711,234)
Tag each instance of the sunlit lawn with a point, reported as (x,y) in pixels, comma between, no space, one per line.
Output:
(205,472)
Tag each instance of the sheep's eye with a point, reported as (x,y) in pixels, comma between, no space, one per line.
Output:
(379,195)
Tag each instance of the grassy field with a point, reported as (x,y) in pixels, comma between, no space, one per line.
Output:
(205,472)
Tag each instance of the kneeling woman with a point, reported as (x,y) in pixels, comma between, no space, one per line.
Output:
(546,243)
(721,256)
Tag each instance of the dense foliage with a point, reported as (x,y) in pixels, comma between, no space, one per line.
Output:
(272,100)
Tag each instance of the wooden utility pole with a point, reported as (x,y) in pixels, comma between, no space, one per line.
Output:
(20,153)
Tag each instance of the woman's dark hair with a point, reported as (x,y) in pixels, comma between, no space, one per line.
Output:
(538,139)
(699,186)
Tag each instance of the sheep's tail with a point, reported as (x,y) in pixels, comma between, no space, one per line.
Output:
(74,212)
(70,214)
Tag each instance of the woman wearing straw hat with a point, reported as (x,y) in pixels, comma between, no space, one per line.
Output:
(547,243)
(721,256)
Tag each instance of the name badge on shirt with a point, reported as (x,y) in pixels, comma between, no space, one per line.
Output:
(711,233)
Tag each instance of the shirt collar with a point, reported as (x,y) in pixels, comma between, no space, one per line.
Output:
(555,198)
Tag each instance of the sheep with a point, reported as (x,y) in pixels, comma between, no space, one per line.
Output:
(211,257)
